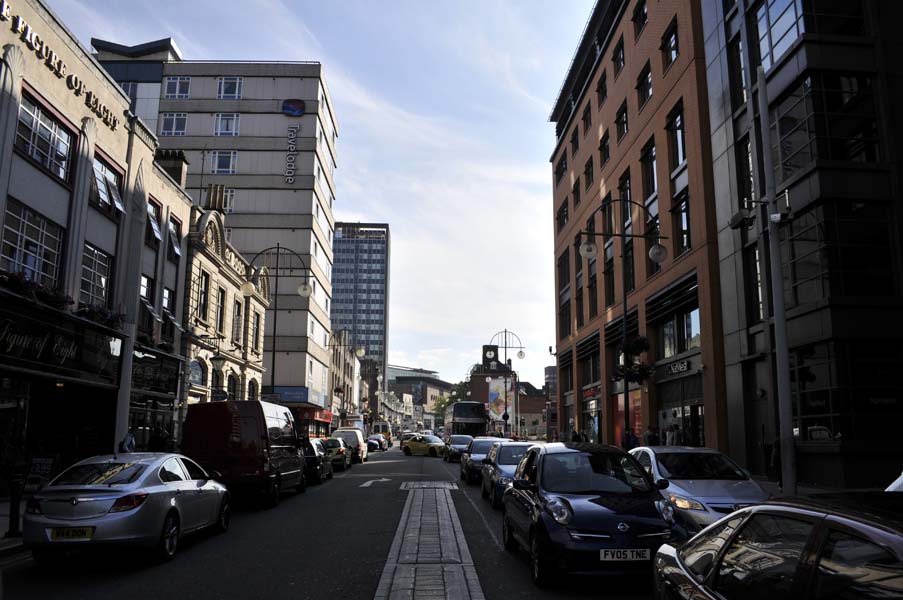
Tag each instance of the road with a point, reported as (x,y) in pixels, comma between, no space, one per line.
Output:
(331,542)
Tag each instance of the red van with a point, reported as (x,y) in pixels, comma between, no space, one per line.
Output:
(253,445)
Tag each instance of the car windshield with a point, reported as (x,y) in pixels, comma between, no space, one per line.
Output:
(511,455)
(333,443)
(698,465)
(349,437)
(431,439)
(460,440)
(481,446)
(109,473)
(593,473)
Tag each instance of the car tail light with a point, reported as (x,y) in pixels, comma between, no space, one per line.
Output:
(341,451)
(128,502)
(33,506)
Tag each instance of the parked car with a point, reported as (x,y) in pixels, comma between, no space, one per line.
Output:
(454,446)
(498,469)
(143,499)
(427,432)
(354,438)
(319,465)
(405,437)
(704,485)
(381,440)
(584,508)
(473,455)
(427,445)
(338,453)
(372,445)
(253,444)
(836,546)
(896,486)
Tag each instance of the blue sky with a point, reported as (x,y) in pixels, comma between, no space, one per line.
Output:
(443,133)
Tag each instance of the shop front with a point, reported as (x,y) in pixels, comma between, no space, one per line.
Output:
(680,413)
(59,376)
(312,421)
(591,417)
(153,403)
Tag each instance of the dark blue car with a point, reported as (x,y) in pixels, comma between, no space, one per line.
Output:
(584,509)
(498,469)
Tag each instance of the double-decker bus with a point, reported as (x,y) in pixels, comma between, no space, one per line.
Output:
(465,418)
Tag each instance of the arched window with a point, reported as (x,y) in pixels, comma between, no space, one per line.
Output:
(197,373)
(252,389)
(232,388)
(216,380)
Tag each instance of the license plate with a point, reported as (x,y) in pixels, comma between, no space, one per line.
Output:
(628,554)
(72,533)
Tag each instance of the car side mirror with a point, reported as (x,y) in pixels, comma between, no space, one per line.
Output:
(214,475)
(662,484)
(487,461)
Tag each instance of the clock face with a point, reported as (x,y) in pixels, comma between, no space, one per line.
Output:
(490,354)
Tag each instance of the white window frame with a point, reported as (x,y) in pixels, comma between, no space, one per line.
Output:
(228,200)
(220,118)
(35,256)
(173,119)
(55,147)
(220,87)
(97,267)
(107,182)
(215,156)
(178,94)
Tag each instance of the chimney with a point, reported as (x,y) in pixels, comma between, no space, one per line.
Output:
(174,163)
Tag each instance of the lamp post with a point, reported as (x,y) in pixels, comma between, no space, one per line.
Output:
(305,290)
(508,340)
(657,254)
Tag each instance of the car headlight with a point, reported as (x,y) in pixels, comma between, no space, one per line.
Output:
(685,503)
(559,510)
(666,510)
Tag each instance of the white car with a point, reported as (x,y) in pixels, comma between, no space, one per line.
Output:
(354,439)
(897,485)
(703,484)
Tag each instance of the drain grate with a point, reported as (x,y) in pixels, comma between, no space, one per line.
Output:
(429,485)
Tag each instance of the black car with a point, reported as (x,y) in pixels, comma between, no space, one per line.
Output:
(472,457)
(318,461)
(584,509)
(827,546)
(454,446)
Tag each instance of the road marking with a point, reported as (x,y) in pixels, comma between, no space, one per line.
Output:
(372,481)
(480,514)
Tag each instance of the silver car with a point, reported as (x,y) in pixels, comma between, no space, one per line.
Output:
(704,484)
(144,499)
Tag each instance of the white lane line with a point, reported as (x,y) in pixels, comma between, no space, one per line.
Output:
(480,514)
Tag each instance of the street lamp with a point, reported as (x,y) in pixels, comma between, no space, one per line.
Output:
(657,254)
(305,289)
(508,340)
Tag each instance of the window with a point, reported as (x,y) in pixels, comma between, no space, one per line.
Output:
(592,286)
(578,305)
(204,296)
(587,119)
(575,142)
(171,471)
(604,148)
(174,251)
(223,162)
(850,568)
(236,321)
(31,245)
(678,333)
(564,270)
(220,309)
(95,284)
(105,186)
(575,192)
(621,121)
(43,139)
(167,329)
(640,17)
(177,88)
(745,179)
(561,217)
(228,200)
(194,471)
(670,48)
(228,88)
(255,332)
(681,220)
(226,124)
(650,178)
(561,167)
(736,65)
(699,556)
(152,234)
(609,274)
(169,297)
(588,173)
(602,88)
(653,230)
(827,115)
(779,23)
(564,319)
(762,559)
(173,123)
(752,265)
(677,144)
(617,57)
(146,288)
(644,85)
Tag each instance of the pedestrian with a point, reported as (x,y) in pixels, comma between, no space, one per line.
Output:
(585,437)
(656,438)
(127,444)
(575,437)
(680,437)
(669,435)
(648,435)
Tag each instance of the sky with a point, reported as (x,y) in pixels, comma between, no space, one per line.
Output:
(442,111)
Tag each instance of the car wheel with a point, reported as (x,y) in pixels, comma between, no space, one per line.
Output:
(433,452)
(169,537)
(275,494)
(319,478)
(507,537)
(483,491)
(407,451)
(541,572)
(224,517)
(494,501)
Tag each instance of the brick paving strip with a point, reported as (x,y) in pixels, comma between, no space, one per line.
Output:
(429,558)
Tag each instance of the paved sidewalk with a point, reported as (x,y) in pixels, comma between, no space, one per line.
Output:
(429,558)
